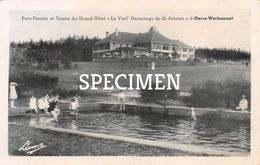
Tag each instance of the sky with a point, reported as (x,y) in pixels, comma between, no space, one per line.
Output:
(197,33)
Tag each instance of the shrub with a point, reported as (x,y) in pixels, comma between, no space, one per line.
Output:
(67,65)
(52,66)
(219,94)
(64,93)
(158,95)
(30,82)
(222,54)
(191,61)
(75,66)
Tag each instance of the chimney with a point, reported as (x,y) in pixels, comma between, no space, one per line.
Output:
(107,33)
(116,30)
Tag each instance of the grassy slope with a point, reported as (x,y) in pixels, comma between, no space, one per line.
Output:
(190,75)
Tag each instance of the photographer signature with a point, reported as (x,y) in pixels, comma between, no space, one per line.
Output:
(31,149)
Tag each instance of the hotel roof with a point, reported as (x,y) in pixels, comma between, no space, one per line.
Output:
(122,37)
(152,36)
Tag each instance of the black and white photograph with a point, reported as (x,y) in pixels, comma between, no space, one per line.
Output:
(129,83)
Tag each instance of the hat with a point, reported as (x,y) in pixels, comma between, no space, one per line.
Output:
(13,83)
(243,96)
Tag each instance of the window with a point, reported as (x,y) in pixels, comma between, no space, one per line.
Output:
(123,45)
(156,46)
(104,47)
(175,48)
(191,50)
(116,45)
(184,49)
(166,47)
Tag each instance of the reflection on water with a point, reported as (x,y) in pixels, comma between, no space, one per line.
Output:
(229,136)
(73,124)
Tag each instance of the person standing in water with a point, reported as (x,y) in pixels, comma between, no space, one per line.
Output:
(13,94)
(193,114)
(76,97)
(73,107)
(53,107)
(121,100)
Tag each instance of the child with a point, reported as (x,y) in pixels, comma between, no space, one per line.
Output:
(121,100)
(33,104)
(13,94)
(153,66)
(76,97)
(193,114)
(73,106)
(53,107)
(46,103)
(41,104)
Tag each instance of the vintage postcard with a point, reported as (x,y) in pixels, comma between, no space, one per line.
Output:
(97,79)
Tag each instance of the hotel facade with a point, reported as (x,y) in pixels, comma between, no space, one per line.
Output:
(134,45)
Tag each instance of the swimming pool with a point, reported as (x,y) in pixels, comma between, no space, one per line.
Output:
(221,135)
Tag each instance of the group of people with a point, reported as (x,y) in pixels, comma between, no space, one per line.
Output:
(42,104)
(48,105)
(150,66)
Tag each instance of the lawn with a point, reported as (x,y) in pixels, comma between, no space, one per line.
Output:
(190,75)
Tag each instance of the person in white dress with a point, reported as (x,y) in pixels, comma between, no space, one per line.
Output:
(33,104)
(41,104)
(243,104)
(76,97)
(46,103)
(153,66)
(13,94)
(121,100)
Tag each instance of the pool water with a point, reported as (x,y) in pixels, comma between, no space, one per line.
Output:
(221,135)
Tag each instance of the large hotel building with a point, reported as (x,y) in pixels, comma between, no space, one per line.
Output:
(133,45)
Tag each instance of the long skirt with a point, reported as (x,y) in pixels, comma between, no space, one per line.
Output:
(13,94)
